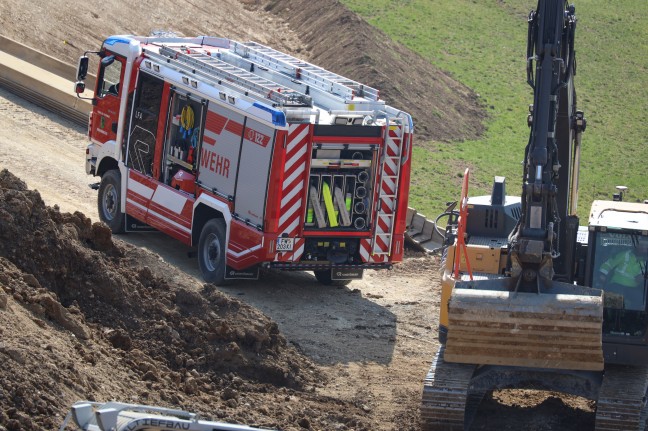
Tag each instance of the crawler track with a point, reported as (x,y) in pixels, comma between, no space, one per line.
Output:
(622,399)
(446,404)
(643,422)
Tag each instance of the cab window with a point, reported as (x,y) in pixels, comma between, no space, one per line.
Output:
(110,76)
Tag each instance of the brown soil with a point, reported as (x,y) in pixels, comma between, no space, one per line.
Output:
(82,317)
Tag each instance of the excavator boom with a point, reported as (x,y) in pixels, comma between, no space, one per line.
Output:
(533,315)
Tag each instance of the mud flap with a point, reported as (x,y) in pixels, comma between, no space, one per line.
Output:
(559,328)
(251,273)
(134,225)
(346,274)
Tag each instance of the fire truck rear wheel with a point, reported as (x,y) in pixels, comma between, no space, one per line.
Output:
(211,251)
(324,277)
(109,200)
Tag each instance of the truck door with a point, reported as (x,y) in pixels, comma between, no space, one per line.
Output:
(254,171)
(107,97)
(141,144)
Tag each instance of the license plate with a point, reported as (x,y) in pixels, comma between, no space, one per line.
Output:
(285,244)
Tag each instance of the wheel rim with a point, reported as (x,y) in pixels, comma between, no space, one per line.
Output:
(110,202)
(212,252)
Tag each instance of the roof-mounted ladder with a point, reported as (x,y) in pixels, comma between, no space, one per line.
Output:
(308,73)
(192,60)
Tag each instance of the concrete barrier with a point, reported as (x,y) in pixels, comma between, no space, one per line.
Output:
(421,233)
(43,61)
(409,216)
(426,233)
(416,227)
(42,82)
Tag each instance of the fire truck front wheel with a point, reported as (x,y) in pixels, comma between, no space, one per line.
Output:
(211,251)
(109,201)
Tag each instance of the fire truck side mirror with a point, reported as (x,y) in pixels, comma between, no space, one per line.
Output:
(82,69)
(79,87)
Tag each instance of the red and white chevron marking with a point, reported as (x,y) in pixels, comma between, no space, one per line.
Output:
(387,204)
(393,140)
(391,165)
(383,224)
(388,185)
(366,254)
(292,195)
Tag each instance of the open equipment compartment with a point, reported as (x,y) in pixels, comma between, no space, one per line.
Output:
(340,193)
(183,137)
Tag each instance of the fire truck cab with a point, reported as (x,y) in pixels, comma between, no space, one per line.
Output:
(255,157)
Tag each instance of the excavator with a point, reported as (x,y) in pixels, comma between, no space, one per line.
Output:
(530,299)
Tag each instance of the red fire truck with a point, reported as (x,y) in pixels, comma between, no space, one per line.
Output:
(255,157)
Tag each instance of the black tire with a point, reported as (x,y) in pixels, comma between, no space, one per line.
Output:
(324,277)
(211,252)
(109,201)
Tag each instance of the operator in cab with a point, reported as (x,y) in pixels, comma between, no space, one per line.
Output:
(624,273)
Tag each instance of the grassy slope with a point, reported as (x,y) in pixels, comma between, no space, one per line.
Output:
(482,43)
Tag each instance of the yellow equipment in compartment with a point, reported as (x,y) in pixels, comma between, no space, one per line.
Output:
(328,202)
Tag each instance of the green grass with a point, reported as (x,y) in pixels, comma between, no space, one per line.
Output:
(482,43)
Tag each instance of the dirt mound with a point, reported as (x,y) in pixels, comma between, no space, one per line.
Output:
(80,318)
(324,32)
(66,33)
(337,38)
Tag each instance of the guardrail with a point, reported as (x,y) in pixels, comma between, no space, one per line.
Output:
(43,80)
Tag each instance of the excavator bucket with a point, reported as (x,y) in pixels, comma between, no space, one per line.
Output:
(557,328)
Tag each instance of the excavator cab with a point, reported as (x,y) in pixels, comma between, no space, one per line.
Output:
(619,269)
(617,262)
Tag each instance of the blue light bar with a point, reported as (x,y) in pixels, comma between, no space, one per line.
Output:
(113,40)
(278,117)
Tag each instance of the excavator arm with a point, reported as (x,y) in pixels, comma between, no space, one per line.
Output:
(535,245)
(534,315)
